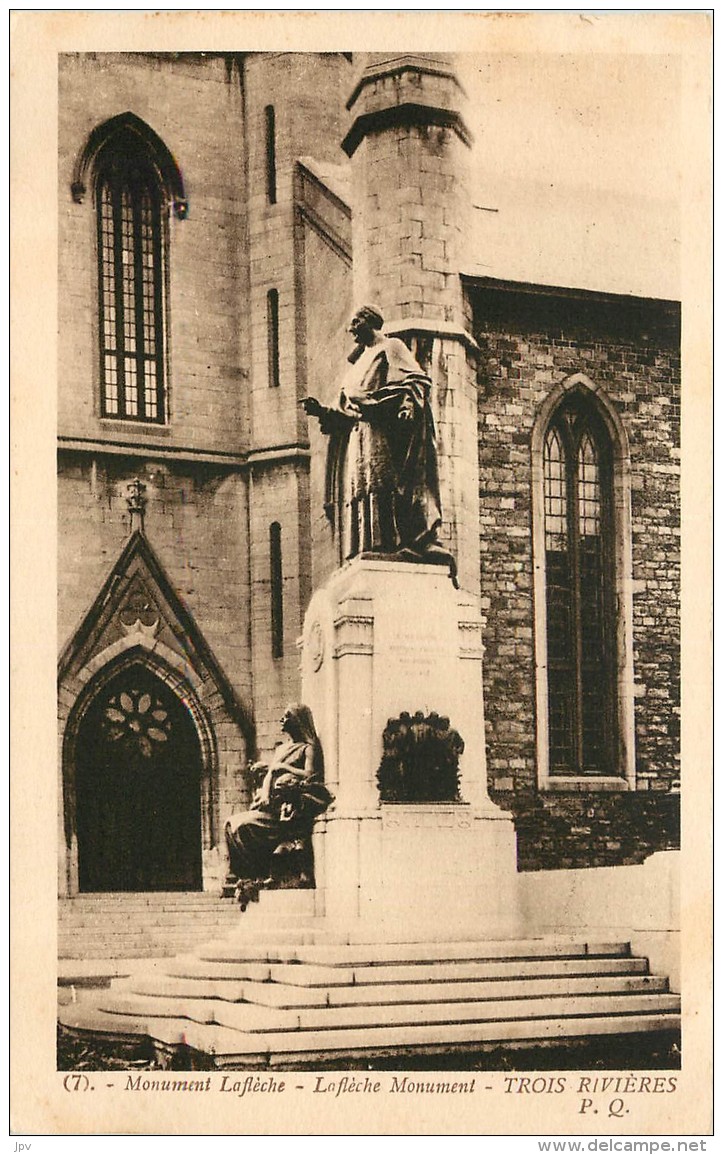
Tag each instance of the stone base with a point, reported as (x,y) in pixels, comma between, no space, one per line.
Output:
(380,638)
(436,872)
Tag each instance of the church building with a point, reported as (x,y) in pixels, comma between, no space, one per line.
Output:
(221,216)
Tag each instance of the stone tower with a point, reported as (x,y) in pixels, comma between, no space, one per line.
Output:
(409,147)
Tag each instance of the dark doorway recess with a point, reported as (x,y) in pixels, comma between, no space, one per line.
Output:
(138,785)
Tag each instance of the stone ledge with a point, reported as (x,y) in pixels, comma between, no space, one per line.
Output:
(405,115)
(580,785)
(432,328)
(426,63)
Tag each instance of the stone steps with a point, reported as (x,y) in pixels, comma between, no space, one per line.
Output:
(127,899)
(137,948)
(264,943)
(154,925)
(236,1050)
(308,975)
(149,916)
(304,946)
(420,952)
(271,1003)
(277,995)
(95,972)
(301,975)
(251,1017)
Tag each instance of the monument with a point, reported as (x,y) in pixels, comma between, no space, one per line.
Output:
(412,846)
(392,669)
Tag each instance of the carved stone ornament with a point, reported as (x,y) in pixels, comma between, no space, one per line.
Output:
(136,500)
(421,759)
(316,646)
(138,612)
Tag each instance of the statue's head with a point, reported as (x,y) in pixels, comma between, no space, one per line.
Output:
(366,321)
(298,723)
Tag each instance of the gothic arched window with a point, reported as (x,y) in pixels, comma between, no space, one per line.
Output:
(580,580)
(131,266)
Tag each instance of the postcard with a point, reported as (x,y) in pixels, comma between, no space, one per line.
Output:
(361,476)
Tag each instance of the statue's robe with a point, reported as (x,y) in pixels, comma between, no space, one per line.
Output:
(382,485)
(292,795)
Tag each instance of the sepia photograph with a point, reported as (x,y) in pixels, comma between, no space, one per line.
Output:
(368,579)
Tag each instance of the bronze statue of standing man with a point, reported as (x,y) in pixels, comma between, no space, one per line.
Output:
(382,482)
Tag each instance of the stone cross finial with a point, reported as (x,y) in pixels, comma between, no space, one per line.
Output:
(137,501)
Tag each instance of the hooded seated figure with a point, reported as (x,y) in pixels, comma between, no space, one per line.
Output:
(283,809)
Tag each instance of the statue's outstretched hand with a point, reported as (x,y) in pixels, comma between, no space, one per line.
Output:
(312,407)
(330,420)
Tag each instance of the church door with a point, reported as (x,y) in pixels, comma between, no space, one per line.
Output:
(138,789)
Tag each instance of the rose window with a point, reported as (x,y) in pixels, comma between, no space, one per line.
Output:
(137,717)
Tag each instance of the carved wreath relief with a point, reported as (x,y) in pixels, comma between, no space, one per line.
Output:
(421,759)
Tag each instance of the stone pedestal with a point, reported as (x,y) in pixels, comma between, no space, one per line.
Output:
(379,638)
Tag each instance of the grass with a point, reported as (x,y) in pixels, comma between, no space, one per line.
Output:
(639,1052)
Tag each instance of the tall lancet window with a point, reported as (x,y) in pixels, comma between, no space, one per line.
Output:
(131,244)
(580,593)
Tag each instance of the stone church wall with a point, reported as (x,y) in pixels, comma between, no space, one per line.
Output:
(328,309)
(195,523)
(196,516)
(194,106)
(306,93)
(529,343)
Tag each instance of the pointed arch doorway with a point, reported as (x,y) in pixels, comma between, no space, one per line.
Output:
(138,788)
